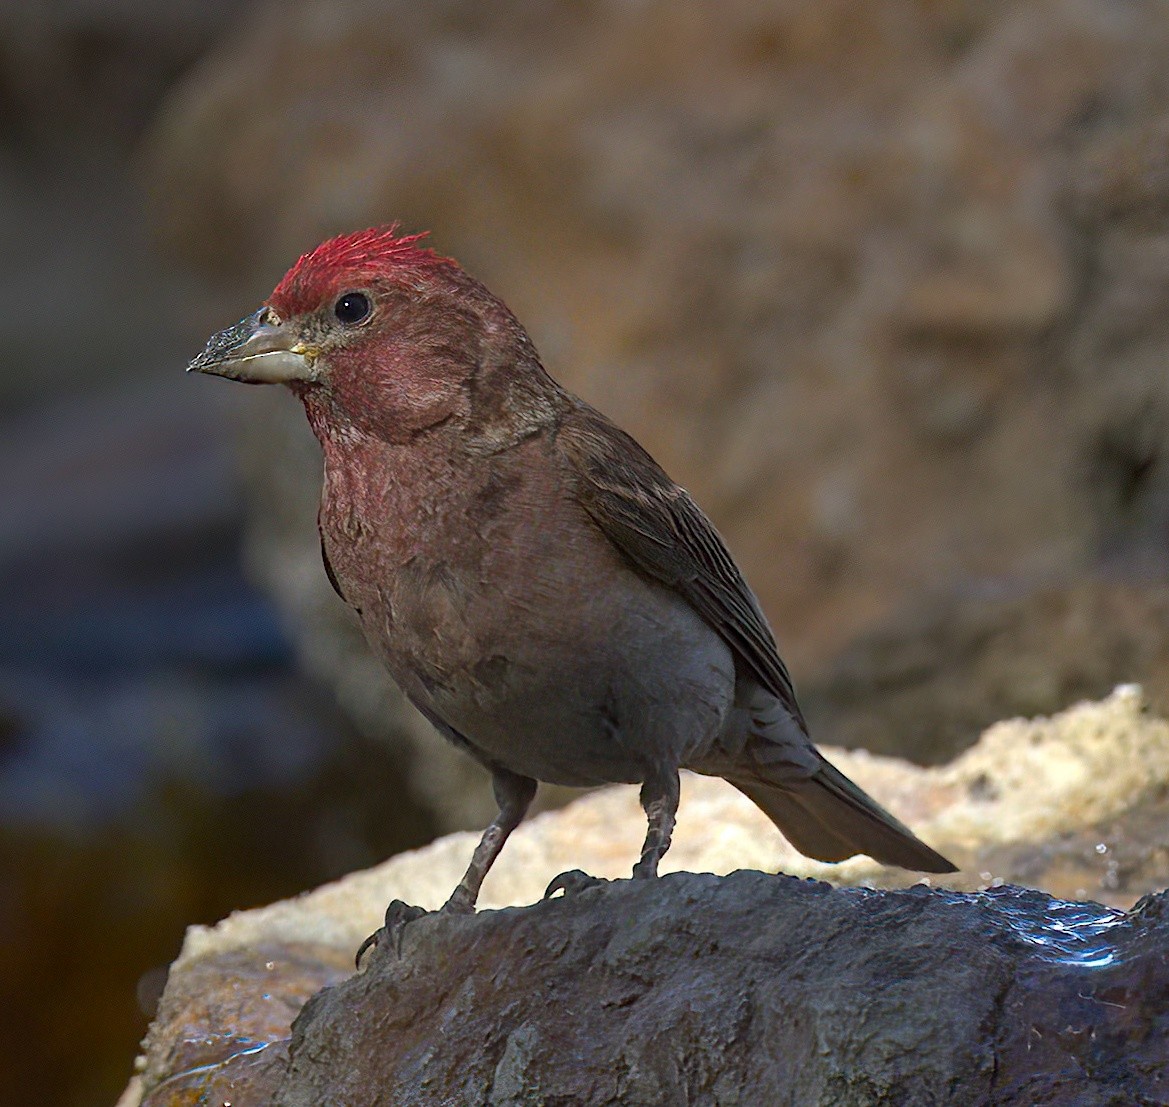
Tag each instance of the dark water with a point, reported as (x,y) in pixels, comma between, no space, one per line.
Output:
(162,761)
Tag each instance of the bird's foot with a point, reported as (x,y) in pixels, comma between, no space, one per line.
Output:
(398,915)
(571,883)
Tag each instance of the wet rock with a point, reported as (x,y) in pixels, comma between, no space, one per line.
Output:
(750,989)
(221,1034)
(745,989)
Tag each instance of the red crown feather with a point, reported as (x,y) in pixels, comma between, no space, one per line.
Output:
(360,256)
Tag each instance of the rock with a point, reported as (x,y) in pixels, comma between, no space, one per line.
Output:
(741,989)
(258,991)
(1027,794)
(750,989)
(946,667)
(886,295)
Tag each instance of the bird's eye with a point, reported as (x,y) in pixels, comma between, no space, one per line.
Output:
(353,308)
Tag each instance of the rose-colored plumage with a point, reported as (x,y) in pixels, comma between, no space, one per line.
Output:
(535,583)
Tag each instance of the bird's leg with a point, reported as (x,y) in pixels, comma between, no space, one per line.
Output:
(514,794)
(659,800)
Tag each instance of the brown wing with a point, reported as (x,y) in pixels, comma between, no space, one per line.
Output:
(664,533)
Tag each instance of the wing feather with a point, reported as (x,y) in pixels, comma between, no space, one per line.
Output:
(663,532)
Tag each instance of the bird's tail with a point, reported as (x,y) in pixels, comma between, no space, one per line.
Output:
(827,817)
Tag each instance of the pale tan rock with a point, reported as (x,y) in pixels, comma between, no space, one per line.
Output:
(132,1096)
(1044,777)
(1024,782)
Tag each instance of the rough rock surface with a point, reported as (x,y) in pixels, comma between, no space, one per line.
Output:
(1075,804)
(745,989)
(884,287)
(752,989)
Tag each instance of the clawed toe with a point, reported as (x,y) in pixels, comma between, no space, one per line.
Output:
(571,883)
(398,915)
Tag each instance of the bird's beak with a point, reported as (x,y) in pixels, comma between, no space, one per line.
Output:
(257,351)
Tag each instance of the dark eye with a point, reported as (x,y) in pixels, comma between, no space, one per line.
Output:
(352,308)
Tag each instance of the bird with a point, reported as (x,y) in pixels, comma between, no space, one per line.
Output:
(537,586)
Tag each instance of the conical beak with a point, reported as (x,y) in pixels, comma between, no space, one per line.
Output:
(257,351)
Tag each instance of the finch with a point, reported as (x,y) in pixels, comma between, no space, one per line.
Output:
(534,582)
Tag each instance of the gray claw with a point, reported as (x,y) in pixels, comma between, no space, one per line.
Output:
(571,883)
(398,915)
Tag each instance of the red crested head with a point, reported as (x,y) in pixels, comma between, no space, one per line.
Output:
(378,253)
(382,337)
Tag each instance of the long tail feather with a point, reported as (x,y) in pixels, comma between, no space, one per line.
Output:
(826,816)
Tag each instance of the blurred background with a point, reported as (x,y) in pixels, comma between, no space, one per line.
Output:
(884,285)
